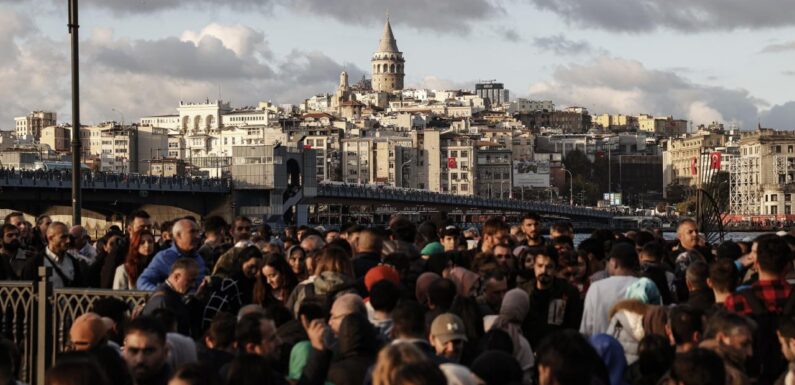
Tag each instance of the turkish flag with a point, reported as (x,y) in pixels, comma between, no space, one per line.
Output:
(451,163)
(714,160)
(694,166)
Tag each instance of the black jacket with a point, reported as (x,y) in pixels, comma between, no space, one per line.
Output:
(166,298)
(701,299)
(357,349)
(362,263)
(560,294)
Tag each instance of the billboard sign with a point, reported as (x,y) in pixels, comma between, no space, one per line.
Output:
(531,173)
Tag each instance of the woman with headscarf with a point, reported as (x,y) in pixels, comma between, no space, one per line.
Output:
(513,311)
(612,354)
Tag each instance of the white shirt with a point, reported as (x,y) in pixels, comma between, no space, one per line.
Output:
(601,296)
(66,266)
(121,281)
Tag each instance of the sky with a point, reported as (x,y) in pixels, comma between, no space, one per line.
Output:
(731,61)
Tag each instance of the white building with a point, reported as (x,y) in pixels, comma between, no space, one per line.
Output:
(28,128)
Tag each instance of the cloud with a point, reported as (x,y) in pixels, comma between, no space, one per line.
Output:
(507,33)
(560,45)
(781,116)
(777,48)
(788,73)
(615,85)
(244,41)
(449,16)
(683,15)
(145,77)
(434,83)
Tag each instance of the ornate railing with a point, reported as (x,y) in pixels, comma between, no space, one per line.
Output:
(68,304)
(17,322)
(37,319)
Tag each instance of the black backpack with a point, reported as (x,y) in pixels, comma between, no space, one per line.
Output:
(767,362)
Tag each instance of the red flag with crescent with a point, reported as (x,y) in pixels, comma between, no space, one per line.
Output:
(714,160)
(451,163)
(694,166)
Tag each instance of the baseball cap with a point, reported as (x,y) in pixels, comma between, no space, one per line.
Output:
(448,327)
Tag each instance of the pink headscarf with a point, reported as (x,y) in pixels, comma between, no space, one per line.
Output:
(466,282)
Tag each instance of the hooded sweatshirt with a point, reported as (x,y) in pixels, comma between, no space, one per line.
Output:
(612,354)
(514,309)
(357,349)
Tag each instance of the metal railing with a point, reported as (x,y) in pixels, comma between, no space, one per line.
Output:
(17,322)
(37,319)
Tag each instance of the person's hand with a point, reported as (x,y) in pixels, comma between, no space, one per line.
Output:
(316,333)
(747,260)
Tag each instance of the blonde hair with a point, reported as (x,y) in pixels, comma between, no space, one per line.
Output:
(393,357)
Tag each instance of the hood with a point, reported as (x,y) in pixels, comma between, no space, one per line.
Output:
(612,354)
(356,337)
(331,281)
(631,322)
(630,305)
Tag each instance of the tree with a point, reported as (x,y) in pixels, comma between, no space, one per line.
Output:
(577,162)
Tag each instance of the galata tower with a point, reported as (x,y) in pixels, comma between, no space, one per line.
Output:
(387,63)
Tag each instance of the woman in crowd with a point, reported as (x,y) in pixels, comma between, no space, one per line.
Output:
(141,251)
(275,282)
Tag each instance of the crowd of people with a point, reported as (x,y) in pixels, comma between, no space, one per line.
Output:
(412,304)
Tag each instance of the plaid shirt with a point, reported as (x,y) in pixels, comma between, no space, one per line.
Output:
(773,294)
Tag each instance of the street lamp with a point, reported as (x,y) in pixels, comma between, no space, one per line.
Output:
(571,187)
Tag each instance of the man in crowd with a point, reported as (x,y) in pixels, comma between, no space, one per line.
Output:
(171,293)
(701,296)
(448,336)
(368,252)
(186,242)
(138,220)
(82,243)
(684,328)
(603,294)
(344,306)
(558,229)
(722,280)
(145,352)
(531,227)
(215,230)
(450,238)
(554,303)
(67,270)
(504,257)
(495,285)
(228,263)
(12,256)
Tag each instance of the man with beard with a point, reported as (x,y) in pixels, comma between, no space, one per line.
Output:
(146,352)
(12,257)
(531,227)
(448,336)
(554,303)
(228,264)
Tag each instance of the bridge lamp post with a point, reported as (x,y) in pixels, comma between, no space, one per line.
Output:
(571,187)
(77,199)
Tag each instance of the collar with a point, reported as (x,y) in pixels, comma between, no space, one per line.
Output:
(53,256)
(179,252)
(772,282)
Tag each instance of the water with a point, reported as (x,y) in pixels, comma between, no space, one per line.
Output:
(734,236)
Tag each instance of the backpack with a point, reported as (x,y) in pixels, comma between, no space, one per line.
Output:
(767,362)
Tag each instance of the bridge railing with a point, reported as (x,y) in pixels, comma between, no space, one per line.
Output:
(37,319)
(109,181)
(388,193)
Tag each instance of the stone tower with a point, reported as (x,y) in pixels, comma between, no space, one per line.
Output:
(387,63)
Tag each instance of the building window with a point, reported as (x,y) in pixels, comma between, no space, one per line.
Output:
(773,210)
(787,197)
(774,197)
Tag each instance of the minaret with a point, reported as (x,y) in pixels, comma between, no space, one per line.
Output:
(387,63)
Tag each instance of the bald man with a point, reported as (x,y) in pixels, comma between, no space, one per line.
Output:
(185,245)
(344,306)
(81,243)
(368,252)
(687,234)
(67,271)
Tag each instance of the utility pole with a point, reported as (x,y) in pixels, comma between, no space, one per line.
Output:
(76,194)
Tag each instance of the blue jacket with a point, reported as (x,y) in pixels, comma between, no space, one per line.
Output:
(160,267)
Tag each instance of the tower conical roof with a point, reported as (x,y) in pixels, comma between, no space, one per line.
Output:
(388,43)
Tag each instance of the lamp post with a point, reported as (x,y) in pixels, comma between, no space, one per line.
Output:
(75,43)
(571,187)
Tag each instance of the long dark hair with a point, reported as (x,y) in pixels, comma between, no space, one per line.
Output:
(263,292)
